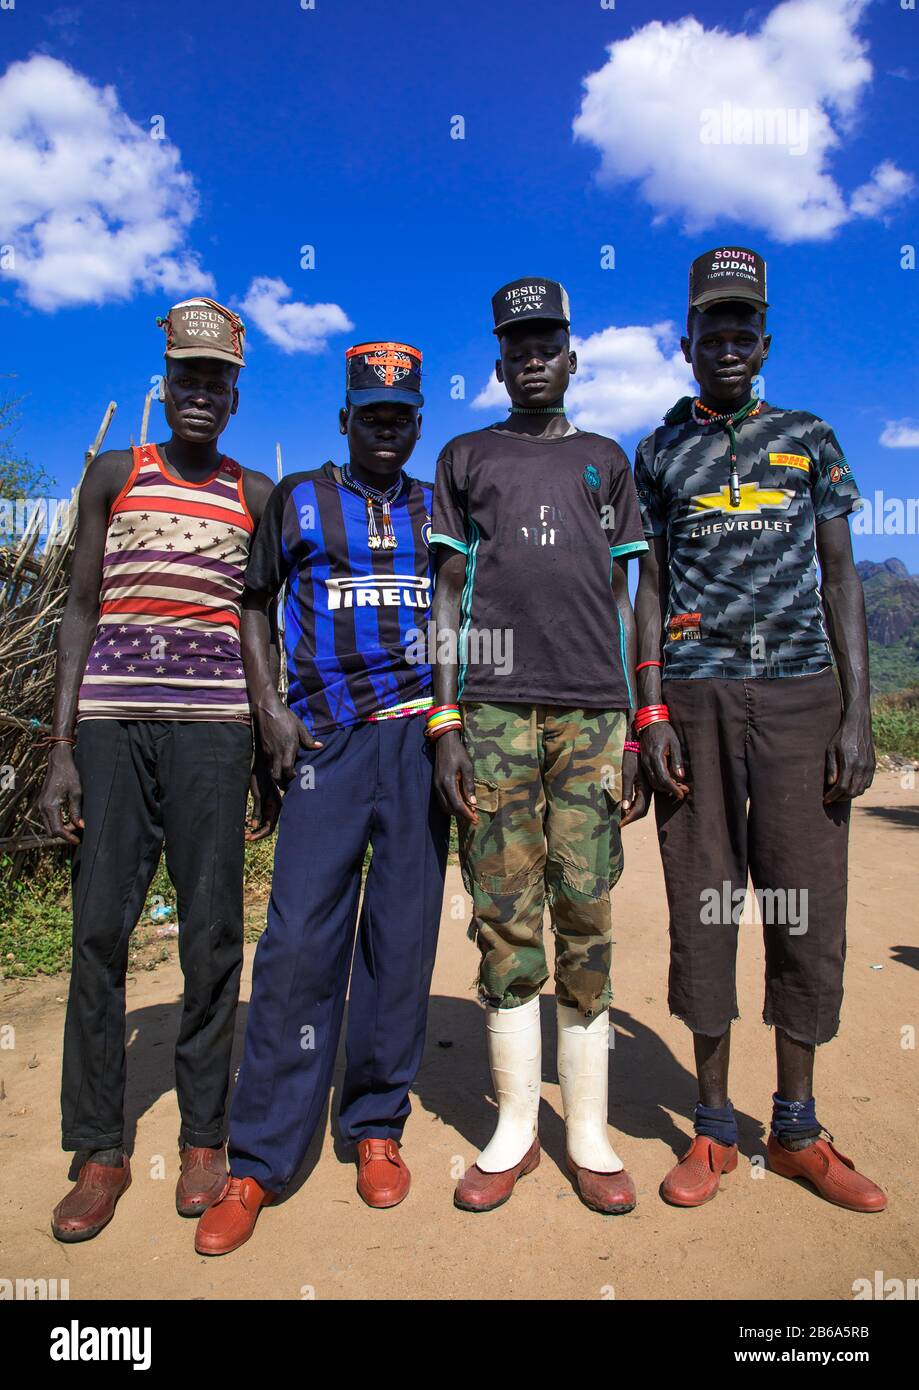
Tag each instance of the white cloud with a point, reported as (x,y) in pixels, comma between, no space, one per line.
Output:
(887,186)
(675,106)
(626,379)
(290,324)
(93,207)
(900,434)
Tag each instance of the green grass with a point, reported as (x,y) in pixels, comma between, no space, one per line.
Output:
(896,723)
(893,668)
(35,922)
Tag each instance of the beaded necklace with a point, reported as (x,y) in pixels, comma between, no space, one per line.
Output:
(383,500)
(537,409)
(729,420)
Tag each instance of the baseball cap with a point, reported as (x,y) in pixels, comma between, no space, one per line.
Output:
(203,328)
(383,372)
(727,273)
(533,298)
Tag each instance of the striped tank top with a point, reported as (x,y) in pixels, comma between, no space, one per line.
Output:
(167,643)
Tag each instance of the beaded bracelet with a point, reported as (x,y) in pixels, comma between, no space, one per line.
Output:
(631,745)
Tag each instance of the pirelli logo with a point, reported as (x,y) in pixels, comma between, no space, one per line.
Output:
(799,461)
(379,591)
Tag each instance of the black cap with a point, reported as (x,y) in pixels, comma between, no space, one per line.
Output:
(727,273)
(532,298)
(383,372)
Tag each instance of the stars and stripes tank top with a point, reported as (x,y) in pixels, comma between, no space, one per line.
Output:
(167,643)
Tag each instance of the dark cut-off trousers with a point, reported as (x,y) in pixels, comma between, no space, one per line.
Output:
(755,756)
(370,784)
(143,781)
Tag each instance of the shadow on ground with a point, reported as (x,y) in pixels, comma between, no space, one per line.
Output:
(646,1080)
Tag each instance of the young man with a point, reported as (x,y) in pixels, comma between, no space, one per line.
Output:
(149,673)
(754,745)
(351,545)
(535,521)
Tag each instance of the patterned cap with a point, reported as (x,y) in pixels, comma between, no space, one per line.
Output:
(727,273)
(534,298)
(383,372)
(203,328)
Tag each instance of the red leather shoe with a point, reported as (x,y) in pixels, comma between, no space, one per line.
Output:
(90,1203)
(831,1173)
(382,1178)
(613,1194)
(696,1177)
(202,1179)
(480,1191)
(230,1221)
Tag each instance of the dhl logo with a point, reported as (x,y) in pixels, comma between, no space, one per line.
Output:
(799,461)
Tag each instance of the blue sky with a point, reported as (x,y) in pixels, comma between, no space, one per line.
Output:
(332,128)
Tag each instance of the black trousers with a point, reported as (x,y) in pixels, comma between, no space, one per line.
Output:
(755,755)
(145,781)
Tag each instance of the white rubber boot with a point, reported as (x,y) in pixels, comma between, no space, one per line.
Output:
(583,1075)
(515,1058)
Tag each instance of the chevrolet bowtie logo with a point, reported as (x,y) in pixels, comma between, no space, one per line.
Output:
(753,498)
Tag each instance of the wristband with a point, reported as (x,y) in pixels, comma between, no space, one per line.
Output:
(55,738)
(631,745)
(441,719)
(642,664)
(651,714)
(435,734)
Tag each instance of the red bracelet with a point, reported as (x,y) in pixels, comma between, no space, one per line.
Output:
(642,664)
(651,714)
(631,745)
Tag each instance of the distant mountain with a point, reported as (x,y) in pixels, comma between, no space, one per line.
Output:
(892,607)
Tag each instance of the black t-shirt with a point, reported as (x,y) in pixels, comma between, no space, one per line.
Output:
(540,522)
(744,590)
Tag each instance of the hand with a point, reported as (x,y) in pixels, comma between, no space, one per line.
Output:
(850,758)
(662,759)
(453,777)
(635,791)
(60,788)
(282,735)
(266,801)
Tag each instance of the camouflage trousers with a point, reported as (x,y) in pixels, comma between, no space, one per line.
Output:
(549,785)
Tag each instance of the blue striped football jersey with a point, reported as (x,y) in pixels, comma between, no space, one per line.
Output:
(352,615)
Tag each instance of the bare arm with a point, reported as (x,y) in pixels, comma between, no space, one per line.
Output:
(630,770)
(279,731)
(661,755)
(104,479)
(453,777)
(850,758)
(263,789)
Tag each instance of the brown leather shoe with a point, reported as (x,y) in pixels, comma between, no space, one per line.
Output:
(202,1179)
(90,1203)
(229,1222)
(613,1194)
(831,1173)
(382,1178)
(479,1191)
(695,1178)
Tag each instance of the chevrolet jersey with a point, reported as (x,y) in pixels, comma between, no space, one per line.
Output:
(351,614)
(744,595)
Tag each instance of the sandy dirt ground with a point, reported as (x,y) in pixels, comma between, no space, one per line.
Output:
(763,1237)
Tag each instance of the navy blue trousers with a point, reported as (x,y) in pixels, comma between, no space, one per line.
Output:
(369,784)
